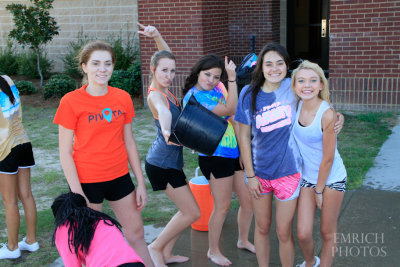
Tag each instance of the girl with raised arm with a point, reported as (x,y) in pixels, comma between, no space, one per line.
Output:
(204,82)
(164,161)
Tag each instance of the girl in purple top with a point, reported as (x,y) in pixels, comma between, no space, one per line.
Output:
(266,112)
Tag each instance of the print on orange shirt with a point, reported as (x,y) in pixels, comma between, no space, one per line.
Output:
(106,114)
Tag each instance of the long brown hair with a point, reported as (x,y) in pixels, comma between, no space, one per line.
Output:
(258,78)
(206,62)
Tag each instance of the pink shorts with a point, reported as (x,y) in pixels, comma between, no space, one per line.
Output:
(284,188)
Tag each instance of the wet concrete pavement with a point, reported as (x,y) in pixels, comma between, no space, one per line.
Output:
(368,229)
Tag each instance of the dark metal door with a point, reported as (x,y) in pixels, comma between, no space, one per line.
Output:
(308,31)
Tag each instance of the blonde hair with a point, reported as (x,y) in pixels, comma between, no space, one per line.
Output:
(307,65)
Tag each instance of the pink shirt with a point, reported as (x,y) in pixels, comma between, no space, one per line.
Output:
(108,248)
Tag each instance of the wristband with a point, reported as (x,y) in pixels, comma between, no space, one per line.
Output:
(249,177)
(315,191)
(232,81)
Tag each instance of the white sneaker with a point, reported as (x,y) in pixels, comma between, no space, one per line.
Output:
(317,261)
(5,253)
(29,247)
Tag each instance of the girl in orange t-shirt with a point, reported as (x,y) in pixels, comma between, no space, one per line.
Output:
(96,144)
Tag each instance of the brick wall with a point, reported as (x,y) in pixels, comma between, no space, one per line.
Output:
(364,59)
(98,19)
(180,23)
(215,22)
(253,17)
(198,27)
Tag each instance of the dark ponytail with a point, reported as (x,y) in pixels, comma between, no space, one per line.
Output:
(5,87)
(70,209)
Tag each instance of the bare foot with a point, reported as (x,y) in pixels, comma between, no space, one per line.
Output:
(247,246)
(218,259)
(175,259)
(156,257)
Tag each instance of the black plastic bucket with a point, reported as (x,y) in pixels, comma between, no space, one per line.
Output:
(198,128)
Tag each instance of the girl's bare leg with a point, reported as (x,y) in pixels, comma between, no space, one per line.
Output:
(262,214)
(189,212)
(28,202)
(332,200)
(245,214)
(221,189)
(9,194)
(132,225)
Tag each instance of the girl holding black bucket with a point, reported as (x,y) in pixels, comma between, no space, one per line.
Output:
(164,161)
(204,84)
(266,112)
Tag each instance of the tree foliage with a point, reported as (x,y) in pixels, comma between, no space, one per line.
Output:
(33,25)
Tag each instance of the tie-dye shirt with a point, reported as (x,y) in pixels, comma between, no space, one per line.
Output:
(274,151)
(12,131)
(228,147)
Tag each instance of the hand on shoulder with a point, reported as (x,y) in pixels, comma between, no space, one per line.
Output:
(329,118)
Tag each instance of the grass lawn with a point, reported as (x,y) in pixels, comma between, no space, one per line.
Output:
(359,143)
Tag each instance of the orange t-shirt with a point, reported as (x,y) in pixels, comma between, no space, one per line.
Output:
(98,122)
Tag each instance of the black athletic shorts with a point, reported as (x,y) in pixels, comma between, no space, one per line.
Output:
(132,264)
(21,156)
(220,167)
(111,190)
(238,167)
(160,178)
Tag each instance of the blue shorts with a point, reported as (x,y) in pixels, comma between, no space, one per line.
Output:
(20,157)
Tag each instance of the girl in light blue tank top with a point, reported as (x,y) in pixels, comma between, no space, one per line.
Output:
(164,160)
(324,173)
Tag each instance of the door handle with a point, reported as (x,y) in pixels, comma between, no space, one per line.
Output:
(323,28)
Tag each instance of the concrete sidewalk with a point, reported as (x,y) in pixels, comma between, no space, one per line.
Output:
(368,230)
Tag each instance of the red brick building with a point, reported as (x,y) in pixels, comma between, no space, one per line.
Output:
(357,42)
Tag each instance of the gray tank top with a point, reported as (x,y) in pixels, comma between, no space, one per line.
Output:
(160,154)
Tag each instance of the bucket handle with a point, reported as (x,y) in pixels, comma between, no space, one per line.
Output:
(176,137)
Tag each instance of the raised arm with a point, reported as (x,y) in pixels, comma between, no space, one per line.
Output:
(229,108)
(152,32)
